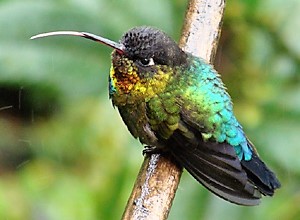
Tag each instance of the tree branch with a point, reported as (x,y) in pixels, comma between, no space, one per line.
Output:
(159,176)
(202,28)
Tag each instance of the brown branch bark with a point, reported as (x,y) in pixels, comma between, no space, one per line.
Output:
(159,176)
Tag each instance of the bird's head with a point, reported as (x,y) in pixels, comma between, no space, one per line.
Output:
(146,63)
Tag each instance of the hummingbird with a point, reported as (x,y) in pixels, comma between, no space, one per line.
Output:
(176,103)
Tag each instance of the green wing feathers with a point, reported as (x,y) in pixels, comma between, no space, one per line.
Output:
(194,120)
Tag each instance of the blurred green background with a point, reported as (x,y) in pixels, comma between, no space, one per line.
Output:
(65,152)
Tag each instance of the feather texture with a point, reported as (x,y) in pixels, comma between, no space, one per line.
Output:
(178,103)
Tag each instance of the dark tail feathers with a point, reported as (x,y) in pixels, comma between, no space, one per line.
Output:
(260,175)
(216,166)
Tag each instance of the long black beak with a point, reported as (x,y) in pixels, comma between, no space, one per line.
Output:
(117,46)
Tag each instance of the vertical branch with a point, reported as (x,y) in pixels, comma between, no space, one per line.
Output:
(154,189)
(202,28)
(159,176)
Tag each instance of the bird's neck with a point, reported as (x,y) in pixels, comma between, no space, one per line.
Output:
(129,88)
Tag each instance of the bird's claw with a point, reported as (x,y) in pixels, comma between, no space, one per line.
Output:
(151,150)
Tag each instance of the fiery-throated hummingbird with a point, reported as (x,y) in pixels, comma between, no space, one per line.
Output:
(175,102)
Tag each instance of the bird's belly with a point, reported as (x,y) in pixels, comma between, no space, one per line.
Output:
(134,116)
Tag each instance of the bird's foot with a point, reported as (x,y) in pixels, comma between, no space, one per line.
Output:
(151,150)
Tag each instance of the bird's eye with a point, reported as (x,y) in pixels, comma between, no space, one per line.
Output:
(147,62)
